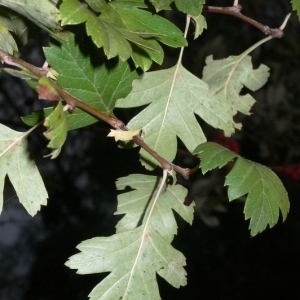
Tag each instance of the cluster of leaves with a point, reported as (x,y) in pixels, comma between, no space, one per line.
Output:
(105,73)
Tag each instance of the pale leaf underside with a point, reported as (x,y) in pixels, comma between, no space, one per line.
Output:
(134,203)
(21,170)
(227,77)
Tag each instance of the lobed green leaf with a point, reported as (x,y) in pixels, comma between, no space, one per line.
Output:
(200,25)
(15,162)
(22,28)
(146,24)
(143,238)
(175,96)
(133,204)
(7,41)
(14,30)
(227,77)
(161,4)
(124,30)
(99,83)
(191,7)
(266,193)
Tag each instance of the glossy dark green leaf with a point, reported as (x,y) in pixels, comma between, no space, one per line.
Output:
(7,41)
(134,203)
(174,96)
(143,236)
(124,30)
(227,77)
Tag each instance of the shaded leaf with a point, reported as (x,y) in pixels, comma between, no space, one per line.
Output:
(296,6)
(56,130)
(266,193)
(146,24)
(146,253)
(161,4)
(213,156)
(23,74)
(134,205)
(97,85)
(38,11)
(21,170)
(73,12)
(228,76)
(75,120)
(124,30)
(21,28)
(7,41)
(97,5)
(18,28)
(5,20)
(131,3)
(175,96)
(143,58)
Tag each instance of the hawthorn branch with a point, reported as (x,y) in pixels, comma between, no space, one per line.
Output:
(119,125)
(17,62)
(74,102)
(235,11)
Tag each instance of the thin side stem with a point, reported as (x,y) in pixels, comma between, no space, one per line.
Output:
(235,11)
(187,25)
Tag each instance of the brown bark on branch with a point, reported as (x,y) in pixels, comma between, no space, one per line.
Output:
(236,12)
(74,102)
